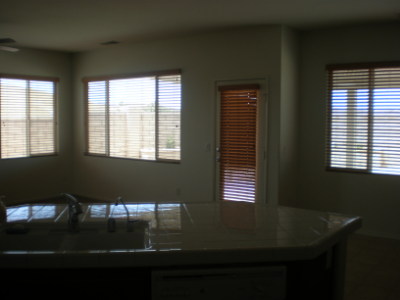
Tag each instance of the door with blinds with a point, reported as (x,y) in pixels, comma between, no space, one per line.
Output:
(238,145)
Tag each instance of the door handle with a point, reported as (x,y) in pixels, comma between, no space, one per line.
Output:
(217,154)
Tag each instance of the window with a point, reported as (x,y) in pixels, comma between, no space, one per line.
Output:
(31,212)
(364,118)
(135,117)
(238,134)
(28,116)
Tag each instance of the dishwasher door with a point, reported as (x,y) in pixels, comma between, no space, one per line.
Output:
(221,283)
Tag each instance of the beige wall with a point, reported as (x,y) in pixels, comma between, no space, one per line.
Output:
(289,114)
(25,179)
(252,53)
(375,197)
(205,60)
(296,129)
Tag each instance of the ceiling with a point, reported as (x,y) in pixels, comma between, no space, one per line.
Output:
(80,25)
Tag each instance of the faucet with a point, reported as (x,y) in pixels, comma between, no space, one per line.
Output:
(74,210)
(3,211)
(111,221)
(120,200)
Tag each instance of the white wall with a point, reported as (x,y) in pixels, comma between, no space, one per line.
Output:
(204,60)
(374,197)
(25,179)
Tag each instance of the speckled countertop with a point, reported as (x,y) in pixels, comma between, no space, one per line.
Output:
(178,234)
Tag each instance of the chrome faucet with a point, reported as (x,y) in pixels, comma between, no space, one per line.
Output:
(111,223)
(74,210)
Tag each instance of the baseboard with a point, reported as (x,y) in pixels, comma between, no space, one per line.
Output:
(379,234)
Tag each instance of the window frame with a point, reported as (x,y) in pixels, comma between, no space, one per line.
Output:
(371,68)
(55,81)
(109,78)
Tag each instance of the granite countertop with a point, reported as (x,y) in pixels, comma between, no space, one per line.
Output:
(177,234)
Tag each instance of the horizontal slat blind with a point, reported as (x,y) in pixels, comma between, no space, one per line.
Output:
(364,118)
(42,116)
(349,118)
(132,122)
(137,118)
(28,117)
(97,108)
(238,143)
(169,121)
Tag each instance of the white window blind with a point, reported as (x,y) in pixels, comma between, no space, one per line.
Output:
(364,118)
(135,117)
(28,117)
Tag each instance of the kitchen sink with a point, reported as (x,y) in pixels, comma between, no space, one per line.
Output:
(52,236)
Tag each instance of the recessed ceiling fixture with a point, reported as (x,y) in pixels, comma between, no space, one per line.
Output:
(110,43)
(7,48)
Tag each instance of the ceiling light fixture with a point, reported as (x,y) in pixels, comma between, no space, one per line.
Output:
(110,43)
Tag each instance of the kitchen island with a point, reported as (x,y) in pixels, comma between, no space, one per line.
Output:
(187,251)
